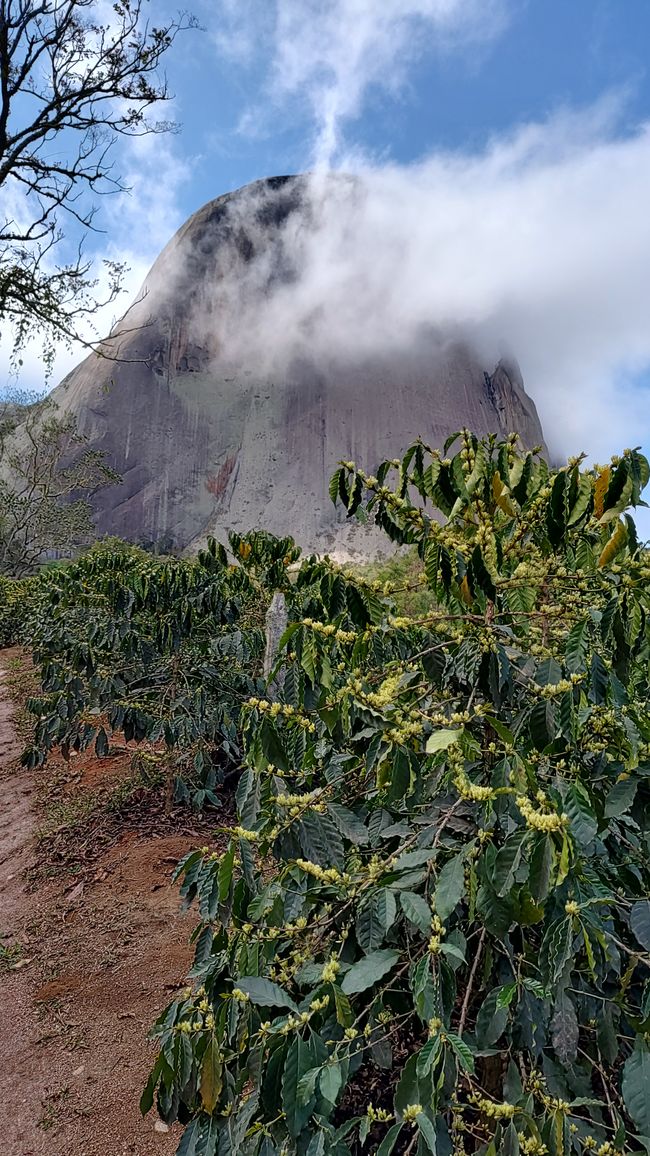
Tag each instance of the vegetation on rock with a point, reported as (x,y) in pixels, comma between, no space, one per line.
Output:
(47,475)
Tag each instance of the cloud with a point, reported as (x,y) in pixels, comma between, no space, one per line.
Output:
(330,55)
(539,246)
(539,243)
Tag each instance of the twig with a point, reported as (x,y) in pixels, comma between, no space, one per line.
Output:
(412,1144)
(470,984)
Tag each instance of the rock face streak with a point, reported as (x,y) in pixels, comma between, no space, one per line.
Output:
(207,440)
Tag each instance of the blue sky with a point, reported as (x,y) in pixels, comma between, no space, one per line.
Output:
(545,55)
(506,147)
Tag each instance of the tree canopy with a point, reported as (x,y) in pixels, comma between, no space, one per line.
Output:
(47,476)
(75,75)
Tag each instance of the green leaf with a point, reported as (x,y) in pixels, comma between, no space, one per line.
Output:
(577,805)
(556,950)
(211,1076)
(452,949)
(576,646)
(410,859)
(502,730)
(548,673)
(541,862)
(491,1019)
(182,1056)
(427,1131)
(388,1142)
(416,910)
(332,1078)
(462,1051)
(508,860)
(344,1014)
(189,1139)
(146,1100)
(521,599)
(536,987)
(450,887)
(298,1062)
(427,1056)
(265,993)
(348,824)
(543,727)
(369,970)
(320,840)
(620,798)
(335,484)
(307,1086)
(375,918)
(407,1090)
(430,478)
(505,994)
(440,740)
(582,502)
(482,574)
(599,681)
(636,1086)
(424,995)
(288,635)
(316,1146)
(640,922)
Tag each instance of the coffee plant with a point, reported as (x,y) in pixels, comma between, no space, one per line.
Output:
(430,930)
(16,598)
(156,650)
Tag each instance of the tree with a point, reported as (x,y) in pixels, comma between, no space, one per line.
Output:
(46,479)
(72,81)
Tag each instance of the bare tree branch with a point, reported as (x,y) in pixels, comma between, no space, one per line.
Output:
(71,84)
(46,479)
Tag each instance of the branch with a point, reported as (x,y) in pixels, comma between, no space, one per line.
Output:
(470,983)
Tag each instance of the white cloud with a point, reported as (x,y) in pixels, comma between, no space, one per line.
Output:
(330,53)
(539,244)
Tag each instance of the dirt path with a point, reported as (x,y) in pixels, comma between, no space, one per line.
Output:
(85,968)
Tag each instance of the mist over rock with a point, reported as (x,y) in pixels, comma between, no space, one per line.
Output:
(230,391)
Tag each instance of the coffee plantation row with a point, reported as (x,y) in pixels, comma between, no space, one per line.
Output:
(430,929)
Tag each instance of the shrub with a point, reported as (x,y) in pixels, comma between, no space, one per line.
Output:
(402,577)
(430,929)
(16,602)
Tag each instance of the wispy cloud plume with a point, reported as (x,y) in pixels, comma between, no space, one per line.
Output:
(331,55)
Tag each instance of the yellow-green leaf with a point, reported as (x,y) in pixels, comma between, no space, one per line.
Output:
(600,489)
(211,1076)
(614,544)
(440,740)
